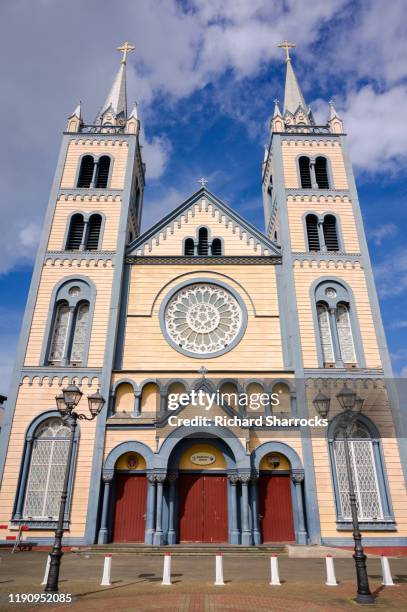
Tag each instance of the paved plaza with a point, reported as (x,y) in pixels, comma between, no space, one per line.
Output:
(136,584)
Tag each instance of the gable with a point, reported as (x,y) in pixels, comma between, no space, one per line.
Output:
(167,237)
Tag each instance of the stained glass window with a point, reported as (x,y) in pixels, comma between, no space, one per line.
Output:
(325,333)
(59,333)
(79,333)
(345,334)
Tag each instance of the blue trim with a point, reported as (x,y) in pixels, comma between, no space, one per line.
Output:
(275,447)
(129,447)
(195,281)
(367,541)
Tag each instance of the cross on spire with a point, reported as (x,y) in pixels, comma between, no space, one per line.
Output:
(125,49)
(287,46)
(203,181)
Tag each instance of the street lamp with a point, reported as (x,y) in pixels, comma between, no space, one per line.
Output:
(351,405)
(66,402)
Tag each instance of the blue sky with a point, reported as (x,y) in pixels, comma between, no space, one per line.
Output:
(205,74)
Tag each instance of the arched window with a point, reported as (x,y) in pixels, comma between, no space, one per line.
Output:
(321,173)
(59,333)
(345,337)
(330,233)
(305,172)
(325,334)
(124,398)
(69,336)
(103,172)
(312,232)
(47,470)
(203,241)
(189,247)
(335,326)
(284,398)
(86,171)
(367,473)
(216,247)
(92,239)
(75,234)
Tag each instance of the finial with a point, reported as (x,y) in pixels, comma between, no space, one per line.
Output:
(125,49)
(332,109)
(202,370)
(276,108)
(203,181)
(287,45)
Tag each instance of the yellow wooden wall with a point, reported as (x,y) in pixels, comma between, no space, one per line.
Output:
(331,149)
(118,149)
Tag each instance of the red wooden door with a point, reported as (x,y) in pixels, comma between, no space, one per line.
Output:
(130,508)
(275,508)
(202,508)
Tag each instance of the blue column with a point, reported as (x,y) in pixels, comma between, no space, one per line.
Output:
(150,514)
(172,535)
(24,478)
(246,534)
(103,531)
(302,536)
(255,511)
(235,533)
(158,535)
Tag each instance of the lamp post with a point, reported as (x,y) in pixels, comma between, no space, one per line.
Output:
(66,402)
(351,405)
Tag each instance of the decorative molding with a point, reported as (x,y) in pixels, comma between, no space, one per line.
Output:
(80,259)
(322,196)
(349,261)
(89,194)
(52,375)
(250,260)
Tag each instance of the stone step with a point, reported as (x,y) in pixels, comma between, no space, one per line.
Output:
(182,550)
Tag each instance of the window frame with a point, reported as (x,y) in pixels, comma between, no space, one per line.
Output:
(61,293)
(86,217)
(96,159)
(19,501)
(322,246)
(387,522)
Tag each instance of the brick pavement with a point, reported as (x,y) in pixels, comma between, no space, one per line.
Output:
(136,584)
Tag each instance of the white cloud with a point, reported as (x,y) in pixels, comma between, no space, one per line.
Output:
(155,154)
(391,274)
(377,138)
(378,234)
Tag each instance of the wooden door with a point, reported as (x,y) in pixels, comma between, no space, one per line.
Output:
(275,508)
(202,508)
(130,508)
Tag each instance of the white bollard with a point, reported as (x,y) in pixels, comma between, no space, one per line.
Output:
(330,572)
(45,579)
(167,570)
(275,578)
(386,573)
(219,570)
(107,567)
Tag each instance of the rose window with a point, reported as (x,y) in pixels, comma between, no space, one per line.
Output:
(203,318)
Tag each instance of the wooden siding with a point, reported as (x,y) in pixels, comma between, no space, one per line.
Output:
(331,149)
(117,149)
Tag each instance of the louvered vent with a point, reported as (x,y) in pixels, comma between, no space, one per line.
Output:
(312,233)
(330,233)
(217,247)
(189,247)
(92,241)
(103,172)
(203,241)
(86,171)
(75,233)
(305,173)
(321,173)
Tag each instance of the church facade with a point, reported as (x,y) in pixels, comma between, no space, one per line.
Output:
(203,300)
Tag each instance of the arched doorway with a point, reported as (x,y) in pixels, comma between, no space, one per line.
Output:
(130,498)
(202,495)
(275,501)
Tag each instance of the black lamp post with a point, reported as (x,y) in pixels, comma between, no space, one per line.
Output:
(66,402)
(351,405)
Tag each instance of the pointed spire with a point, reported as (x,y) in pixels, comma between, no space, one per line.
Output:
(78,111)
(293,97)
(134,112)
(332,110)
(117,97)
(277,112)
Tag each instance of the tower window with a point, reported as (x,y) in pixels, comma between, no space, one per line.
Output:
(330,233)
(75,233)
(217,247)
(321,173)
(86,171)
(312,233)
(189,247)
(103,171)
(203,241)
(69,341)
(305,172)
(92,240)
